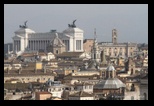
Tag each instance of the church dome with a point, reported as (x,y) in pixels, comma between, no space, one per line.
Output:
(110,83)
(73,30)
(57,42)
(110,68)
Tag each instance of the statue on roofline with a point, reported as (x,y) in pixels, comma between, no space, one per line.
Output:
(72,25)
(23,26)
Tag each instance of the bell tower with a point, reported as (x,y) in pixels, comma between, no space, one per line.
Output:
(95,53)
(114,36)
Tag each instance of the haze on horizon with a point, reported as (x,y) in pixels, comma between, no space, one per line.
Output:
(130,20)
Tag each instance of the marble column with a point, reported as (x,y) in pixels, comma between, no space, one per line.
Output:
(36,45)
(14,45)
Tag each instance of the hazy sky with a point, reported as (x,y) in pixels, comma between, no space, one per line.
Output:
(130,20)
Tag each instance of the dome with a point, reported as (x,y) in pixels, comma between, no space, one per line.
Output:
(24,30)
(73,30)
(110,68)
(110,83)
(57,42)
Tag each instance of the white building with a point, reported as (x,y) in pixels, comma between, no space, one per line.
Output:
(56,88)
(26,39)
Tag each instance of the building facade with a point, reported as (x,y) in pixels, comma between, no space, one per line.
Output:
(26,39)
(114,49)
(56,46)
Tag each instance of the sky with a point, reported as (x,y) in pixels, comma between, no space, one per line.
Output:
(130,20)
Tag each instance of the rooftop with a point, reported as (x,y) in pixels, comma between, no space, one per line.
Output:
(44,92)
(110,83)
(81,94)
(26,73)
(81,83)
(69,54)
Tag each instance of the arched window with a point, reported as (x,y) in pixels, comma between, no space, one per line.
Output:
(132,87)
(132,71)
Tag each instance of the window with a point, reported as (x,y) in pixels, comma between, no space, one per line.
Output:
(50,90)
(132,87)
(132,71)
(14,93)
(78,44)
(126,54)
(94,56)
(56,51)
(72,71)
(66,42)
